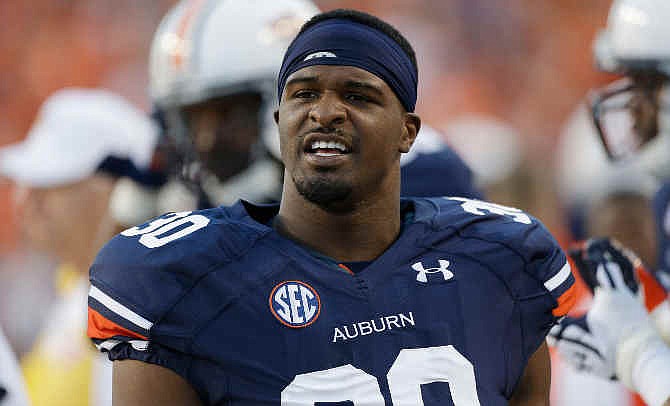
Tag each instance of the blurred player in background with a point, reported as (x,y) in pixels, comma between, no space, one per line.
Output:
(12,387)
(619,337)
(213,67)
(618,205)
(213,70)
(81,143)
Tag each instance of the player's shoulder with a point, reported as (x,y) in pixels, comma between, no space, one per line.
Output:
(194,237)
(478,219)
(150,266)
(509,241)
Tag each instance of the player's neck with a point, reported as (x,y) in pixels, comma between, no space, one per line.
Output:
(361,234)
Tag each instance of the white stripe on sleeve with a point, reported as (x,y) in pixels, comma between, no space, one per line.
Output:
(139,345)
(559,278)
(119,309)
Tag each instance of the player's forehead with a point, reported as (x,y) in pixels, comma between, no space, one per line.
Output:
(339,76)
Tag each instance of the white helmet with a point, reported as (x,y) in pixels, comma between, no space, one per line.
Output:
(634,111)
(636,37)
(205,49)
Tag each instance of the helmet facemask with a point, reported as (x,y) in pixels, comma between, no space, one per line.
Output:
(628,113)
(225,133)
(215,143)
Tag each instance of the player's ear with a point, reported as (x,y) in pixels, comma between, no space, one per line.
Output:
(410,131)
(276,116)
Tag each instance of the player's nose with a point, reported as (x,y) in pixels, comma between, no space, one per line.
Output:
(328,111)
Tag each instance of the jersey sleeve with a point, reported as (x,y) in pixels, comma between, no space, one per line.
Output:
(521,241)
(546,290)
(547,262)
(137,281)
(539,278)
(532,280)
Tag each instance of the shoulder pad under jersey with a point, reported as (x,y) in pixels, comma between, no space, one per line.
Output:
(515,235)
(142,272)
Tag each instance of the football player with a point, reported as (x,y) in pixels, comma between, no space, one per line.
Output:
(213,69)
(631,116)
(342,292)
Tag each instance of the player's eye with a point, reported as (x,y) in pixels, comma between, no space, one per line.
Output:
(357,97)
(305,94)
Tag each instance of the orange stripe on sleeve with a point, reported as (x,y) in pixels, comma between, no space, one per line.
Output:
(654,294)
(103,328)
(566,301)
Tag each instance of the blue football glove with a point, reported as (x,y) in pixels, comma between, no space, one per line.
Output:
(606,255)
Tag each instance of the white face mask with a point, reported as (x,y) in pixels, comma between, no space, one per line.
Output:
(617,125)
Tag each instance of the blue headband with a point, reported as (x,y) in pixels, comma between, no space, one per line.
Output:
(347,43)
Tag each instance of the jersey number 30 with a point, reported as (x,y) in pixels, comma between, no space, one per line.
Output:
(411,369)
(166,228)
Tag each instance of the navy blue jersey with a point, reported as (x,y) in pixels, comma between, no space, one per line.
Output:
(432,168)
(448,315)
(661,205)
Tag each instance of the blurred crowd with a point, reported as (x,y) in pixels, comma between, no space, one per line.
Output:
(502,80)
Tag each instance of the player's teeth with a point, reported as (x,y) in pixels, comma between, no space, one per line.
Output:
(328,145)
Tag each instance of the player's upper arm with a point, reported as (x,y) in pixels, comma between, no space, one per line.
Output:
(523,242)
(533,388)
(139,384)
(552,269)
(138,307)
(526,258)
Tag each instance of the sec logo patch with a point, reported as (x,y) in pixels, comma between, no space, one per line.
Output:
(295,304)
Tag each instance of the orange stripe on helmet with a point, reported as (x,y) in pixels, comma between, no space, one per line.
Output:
(183,28)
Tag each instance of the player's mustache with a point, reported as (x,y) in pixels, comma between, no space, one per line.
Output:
(326,130)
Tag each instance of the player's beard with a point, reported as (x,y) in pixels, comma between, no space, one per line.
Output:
(329,194)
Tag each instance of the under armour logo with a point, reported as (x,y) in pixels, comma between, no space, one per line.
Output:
(421,271)
(320,54)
